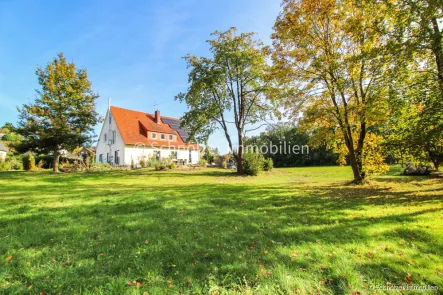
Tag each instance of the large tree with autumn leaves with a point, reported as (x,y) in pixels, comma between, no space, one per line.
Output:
(331,61)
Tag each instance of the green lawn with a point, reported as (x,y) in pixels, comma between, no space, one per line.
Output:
(291,231)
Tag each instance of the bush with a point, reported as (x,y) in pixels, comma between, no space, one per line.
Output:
(71,167)
(268,164)
(160,167)
(16,164)
(40,164)
(142,162)
(224,164)
(152,163)
(172,165)
(5,166)
(90,160)
(28,162)
(202,163)
(132,164)
(417,170)
(253,163)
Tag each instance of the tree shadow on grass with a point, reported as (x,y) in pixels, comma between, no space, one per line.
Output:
(189,236)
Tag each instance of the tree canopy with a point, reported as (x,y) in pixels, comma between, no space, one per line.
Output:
(227,89)
(63,114)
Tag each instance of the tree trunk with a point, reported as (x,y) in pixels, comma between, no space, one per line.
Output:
(436,165)
(240,155)
(55,161)
(358,177)
(438,52)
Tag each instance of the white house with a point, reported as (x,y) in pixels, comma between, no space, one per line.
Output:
(3,151)
(129,135)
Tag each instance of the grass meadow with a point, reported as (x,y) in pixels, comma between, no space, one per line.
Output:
(289,231)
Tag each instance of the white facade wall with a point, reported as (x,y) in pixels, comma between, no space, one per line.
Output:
(103,148)
(136,152)
(127,153)
(2,155)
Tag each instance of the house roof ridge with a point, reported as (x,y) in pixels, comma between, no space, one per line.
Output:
(167,117)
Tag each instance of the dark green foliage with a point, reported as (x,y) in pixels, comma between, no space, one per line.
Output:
(417,170)
(268,164)
(280,133)
(253,164)
(46,159)
(229,86)
(63,114)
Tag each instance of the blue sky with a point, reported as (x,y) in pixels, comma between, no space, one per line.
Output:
(132,49)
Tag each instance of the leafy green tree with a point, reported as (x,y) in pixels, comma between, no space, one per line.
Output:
(331,61)
(415,130)
(419,30)
(229,84)
(63,114)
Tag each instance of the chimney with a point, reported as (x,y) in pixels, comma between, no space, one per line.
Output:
(157,117)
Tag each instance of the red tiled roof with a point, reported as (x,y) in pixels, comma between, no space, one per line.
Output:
(129,122)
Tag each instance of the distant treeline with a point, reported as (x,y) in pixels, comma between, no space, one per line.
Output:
(288,135)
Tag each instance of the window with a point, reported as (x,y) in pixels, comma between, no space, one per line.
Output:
(171,137)
(107,157)
(110,119)
(100,158)
(105,138)
(154,135)
(174,154)
(162,136)
(117,158)
(113,136)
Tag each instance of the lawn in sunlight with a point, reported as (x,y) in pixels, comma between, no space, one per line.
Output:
(289,231)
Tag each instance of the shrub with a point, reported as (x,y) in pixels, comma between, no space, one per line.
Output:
(417,170)
(71,167)
(268,164)
(132,164)
(5,166)
(160,166)
(40,164)
(90,160)
(202,163)
(16,164)
(152,163)
(142,162)
(172,165)
(224,164)
(253,163)
(28,162)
